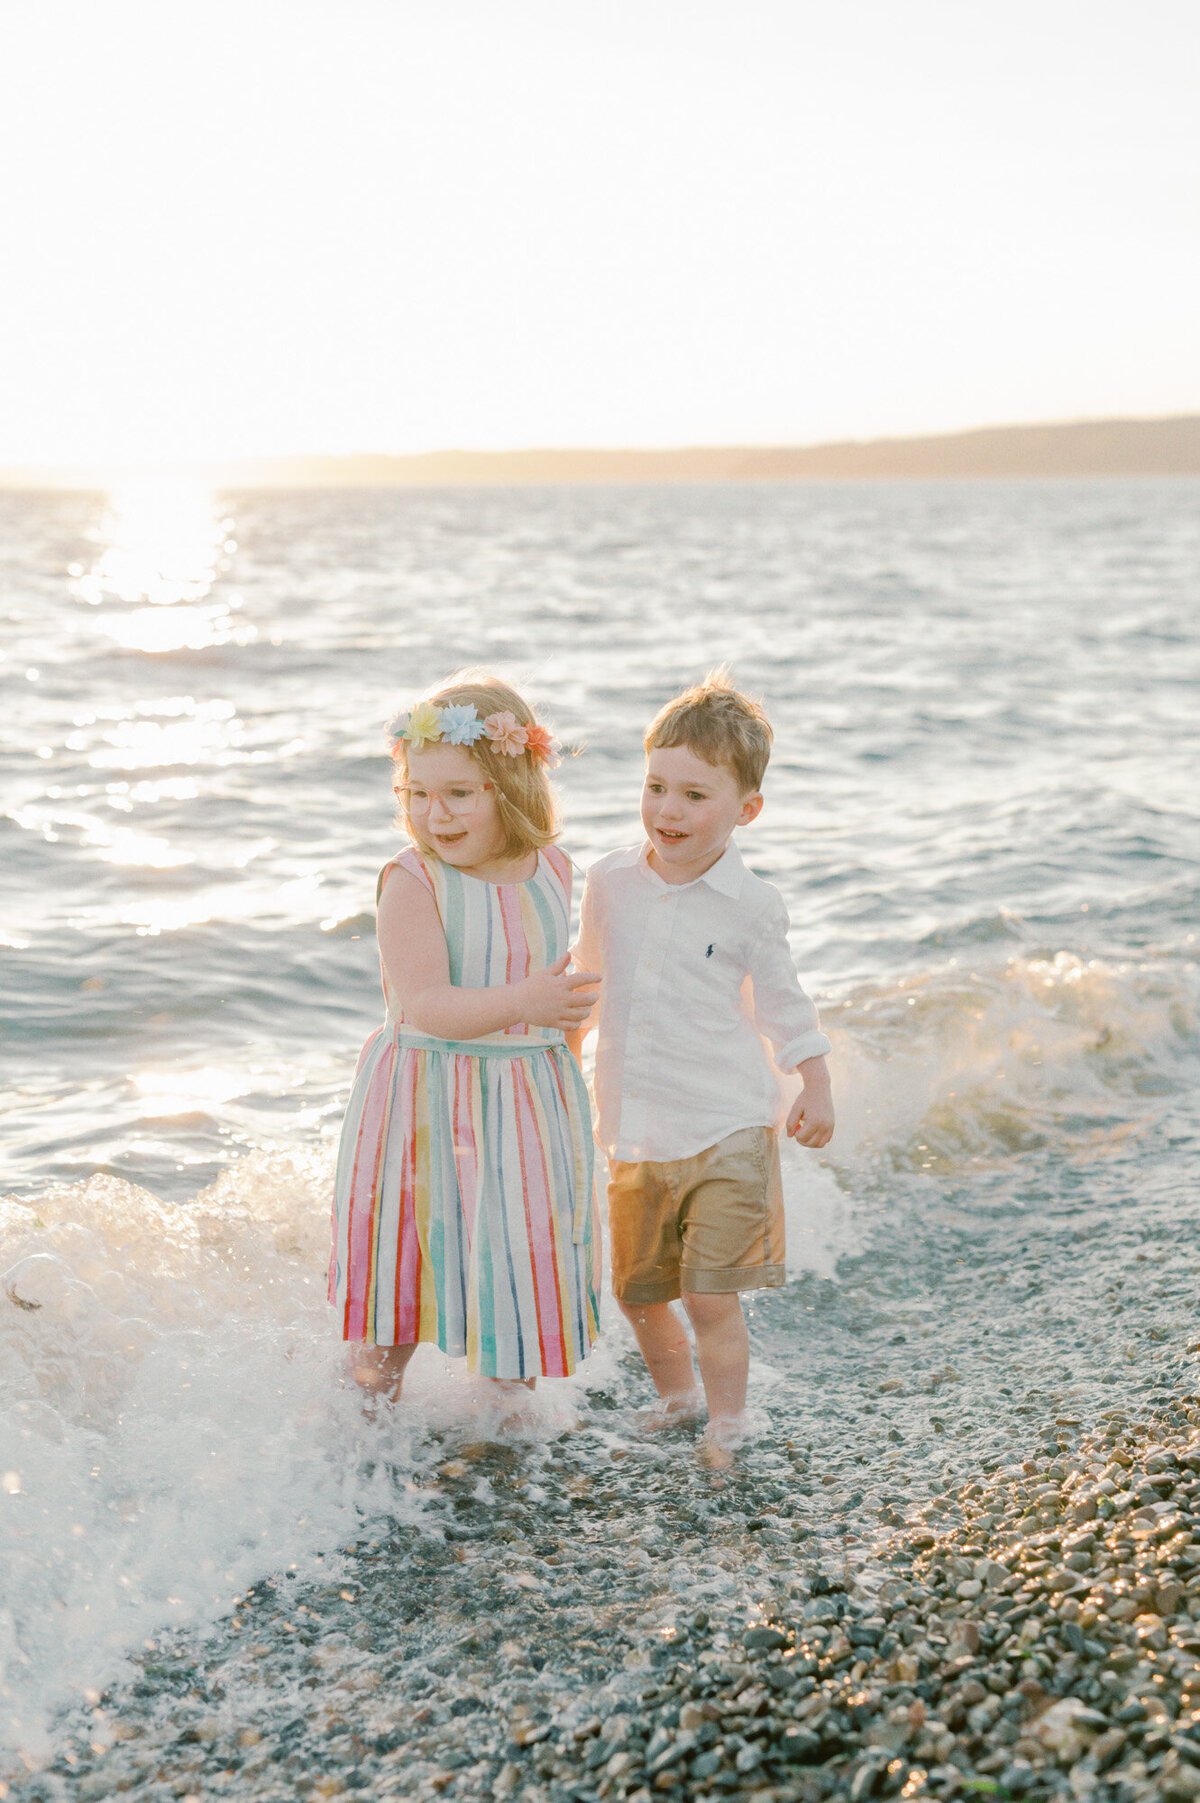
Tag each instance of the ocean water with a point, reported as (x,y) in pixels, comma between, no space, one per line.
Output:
(982,811)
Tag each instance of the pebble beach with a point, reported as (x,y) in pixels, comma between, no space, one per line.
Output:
(1034,1633)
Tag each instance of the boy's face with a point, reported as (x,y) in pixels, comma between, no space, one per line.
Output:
(689,810)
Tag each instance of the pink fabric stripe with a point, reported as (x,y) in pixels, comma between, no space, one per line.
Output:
(516,958)
(560,864)
(363,1200)
(466,1152)
(412,861)
(410,1271)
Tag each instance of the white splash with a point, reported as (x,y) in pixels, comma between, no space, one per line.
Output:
(171,1423)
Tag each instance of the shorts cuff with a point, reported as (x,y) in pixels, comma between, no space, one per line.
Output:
(739,1277)
(665,1290)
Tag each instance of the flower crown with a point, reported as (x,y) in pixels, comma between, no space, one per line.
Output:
(428,724)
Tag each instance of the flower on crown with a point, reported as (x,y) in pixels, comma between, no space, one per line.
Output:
(461,725)
(507,734)
(421,724)
(541,745)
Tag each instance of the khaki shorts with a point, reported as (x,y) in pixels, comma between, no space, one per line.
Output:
(712,1222)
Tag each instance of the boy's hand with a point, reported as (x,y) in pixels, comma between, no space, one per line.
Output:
(554,998)
(810,1122)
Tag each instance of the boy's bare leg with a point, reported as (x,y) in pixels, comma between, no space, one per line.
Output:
(663,1342)
(379,1370)
(723,1353)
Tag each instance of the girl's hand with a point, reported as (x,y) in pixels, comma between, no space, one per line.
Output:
(810,1122)
(554,998)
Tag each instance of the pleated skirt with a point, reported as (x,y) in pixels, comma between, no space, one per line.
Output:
(464,1211)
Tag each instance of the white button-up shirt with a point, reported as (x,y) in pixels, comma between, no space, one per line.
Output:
(696,975)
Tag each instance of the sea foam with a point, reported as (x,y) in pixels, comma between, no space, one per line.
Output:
(171,1425)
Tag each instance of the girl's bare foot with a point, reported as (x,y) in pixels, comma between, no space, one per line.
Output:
(514,1398)
(378,1372)
(672,1411)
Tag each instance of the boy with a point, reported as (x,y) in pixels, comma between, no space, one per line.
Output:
(695,960)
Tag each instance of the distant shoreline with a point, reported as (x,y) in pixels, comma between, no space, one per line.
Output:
(1079,448)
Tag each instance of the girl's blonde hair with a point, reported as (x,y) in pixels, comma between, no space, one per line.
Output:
(528,812)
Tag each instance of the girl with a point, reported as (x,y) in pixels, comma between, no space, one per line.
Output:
(463,1209)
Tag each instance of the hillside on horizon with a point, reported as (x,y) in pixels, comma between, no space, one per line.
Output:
(1079,448)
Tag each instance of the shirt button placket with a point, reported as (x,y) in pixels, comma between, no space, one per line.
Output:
(645,1014)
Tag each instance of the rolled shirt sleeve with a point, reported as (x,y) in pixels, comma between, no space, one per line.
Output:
(783,1013)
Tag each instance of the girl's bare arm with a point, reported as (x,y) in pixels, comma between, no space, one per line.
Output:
(413,948)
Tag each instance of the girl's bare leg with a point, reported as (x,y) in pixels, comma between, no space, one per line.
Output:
(379,1370)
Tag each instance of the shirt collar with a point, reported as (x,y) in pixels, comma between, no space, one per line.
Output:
(725,876)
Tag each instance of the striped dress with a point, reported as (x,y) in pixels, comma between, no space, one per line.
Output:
(463,1207)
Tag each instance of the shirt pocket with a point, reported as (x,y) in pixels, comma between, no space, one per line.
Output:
(715,981)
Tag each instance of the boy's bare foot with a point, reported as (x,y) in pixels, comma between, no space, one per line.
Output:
(721,1441)
(672,1411)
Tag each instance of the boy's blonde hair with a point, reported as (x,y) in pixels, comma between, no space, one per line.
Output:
(523,793)
(719,724)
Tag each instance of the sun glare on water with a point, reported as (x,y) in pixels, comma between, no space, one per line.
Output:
(168,1093)
(163,548)
(176,1092)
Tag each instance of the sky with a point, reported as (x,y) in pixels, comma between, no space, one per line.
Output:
(329,226)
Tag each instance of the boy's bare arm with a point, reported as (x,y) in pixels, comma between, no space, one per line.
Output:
(811,1119)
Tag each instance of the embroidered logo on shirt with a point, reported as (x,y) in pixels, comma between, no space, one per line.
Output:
(710,951)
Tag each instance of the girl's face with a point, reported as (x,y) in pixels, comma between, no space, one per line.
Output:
(451,807)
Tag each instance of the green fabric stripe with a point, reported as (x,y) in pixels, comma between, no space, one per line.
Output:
(454,911)
(473,1048)
(482,1261)
(546,917)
